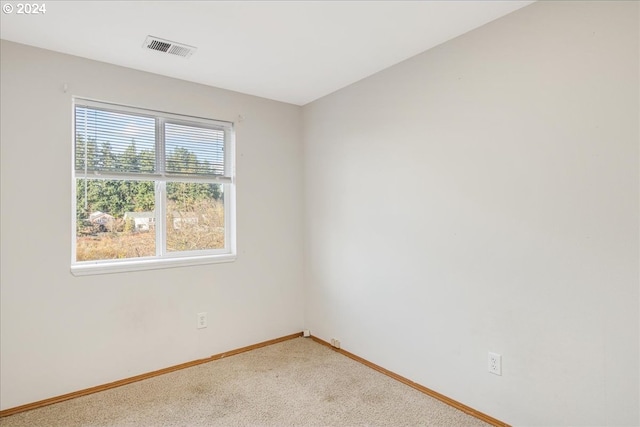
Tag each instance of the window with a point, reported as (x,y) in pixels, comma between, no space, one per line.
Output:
(150,189)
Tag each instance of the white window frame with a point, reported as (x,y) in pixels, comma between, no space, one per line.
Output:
(162,259)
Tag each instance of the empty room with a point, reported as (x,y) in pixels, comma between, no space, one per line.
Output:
(320,213)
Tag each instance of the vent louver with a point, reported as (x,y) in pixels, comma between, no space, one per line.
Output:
(166,46)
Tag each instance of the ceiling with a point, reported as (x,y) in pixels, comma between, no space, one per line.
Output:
(291,51)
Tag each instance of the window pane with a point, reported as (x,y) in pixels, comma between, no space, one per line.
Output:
(114,142)
(194,150)
(114,219)
(195,216)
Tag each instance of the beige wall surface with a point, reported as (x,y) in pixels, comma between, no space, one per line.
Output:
(61,333)
(483,196)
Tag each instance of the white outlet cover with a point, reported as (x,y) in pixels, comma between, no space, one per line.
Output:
(495,363)
(202,320)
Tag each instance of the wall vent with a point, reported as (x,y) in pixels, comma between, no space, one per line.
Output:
(166,46)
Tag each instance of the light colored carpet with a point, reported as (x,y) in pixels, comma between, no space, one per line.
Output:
(294,383)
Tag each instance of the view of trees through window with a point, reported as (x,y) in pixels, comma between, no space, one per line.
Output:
(116,218)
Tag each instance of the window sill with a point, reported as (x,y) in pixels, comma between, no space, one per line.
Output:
(88,268)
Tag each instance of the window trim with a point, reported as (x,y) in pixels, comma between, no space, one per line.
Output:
(160,179)
(88,268)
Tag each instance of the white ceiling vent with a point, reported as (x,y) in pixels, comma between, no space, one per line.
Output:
(166,46)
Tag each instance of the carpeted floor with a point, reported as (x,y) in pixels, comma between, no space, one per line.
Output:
(294,383)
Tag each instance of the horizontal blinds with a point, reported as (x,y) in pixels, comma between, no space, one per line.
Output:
(110,141)
(116,142)
(194,150)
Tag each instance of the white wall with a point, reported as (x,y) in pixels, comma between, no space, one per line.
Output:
(61,333)
(483,196)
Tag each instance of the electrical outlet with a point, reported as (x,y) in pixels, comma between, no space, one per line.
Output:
(335,343)
(495,363)
(202,320)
